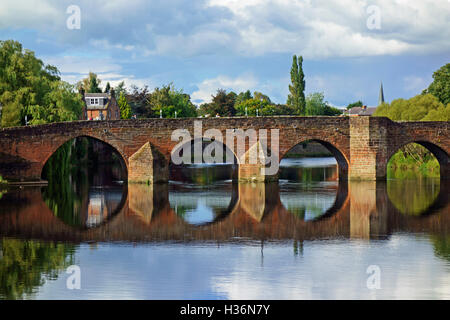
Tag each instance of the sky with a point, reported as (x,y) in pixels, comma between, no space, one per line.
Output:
(349,46)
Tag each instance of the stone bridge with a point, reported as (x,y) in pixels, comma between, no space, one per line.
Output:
(362,146)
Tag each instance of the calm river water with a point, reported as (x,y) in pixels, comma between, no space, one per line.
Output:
(203,237)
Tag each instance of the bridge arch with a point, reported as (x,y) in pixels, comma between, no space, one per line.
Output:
(438,151)
(339,155)
(59,144)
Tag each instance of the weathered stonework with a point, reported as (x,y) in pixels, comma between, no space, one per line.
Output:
(361,145)
(148,165)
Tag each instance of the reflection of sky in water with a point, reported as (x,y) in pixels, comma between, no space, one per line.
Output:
(328,269)
(197,205)
(311,203)
(308,162)
(311,199)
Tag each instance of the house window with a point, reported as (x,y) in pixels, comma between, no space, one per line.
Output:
(94,101)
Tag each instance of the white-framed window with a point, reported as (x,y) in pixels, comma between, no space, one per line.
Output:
(94,101)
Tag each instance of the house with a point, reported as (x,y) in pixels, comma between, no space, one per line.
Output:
(100,106)
(360,111)
(364,110)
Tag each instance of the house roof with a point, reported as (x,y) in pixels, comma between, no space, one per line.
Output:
(360,111)
(97,95)
(101,96)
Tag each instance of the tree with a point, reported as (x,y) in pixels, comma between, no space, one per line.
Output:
(358,103)
(440,87)
(120,88)
(296,97)
(61,103)
(29,88)
(90,84)
(108,88)
(419,108)
(138,99)
(169,100)
(222,104)
(243,96)
(251,105)
(125,109)
(316,106)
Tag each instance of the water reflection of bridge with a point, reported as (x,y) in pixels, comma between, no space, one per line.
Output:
(361,210)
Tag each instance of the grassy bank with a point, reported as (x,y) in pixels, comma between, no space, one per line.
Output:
(413,162)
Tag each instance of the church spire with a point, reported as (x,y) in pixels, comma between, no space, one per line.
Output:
(381,96)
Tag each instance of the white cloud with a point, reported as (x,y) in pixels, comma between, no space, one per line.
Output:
(75,68)
(316,29)
(209,86)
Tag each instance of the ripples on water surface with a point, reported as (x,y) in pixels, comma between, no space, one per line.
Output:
(307,237)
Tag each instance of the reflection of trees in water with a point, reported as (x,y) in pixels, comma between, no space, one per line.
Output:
(413,197)
(441,244)
(27,264)
(71,171)
(308,174)
(202,174)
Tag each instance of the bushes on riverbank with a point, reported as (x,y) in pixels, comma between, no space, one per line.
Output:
(413,161)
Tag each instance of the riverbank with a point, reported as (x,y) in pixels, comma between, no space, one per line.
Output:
(407,167)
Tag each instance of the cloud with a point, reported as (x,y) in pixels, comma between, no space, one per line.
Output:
(316,29)
(209,86)
(75,68)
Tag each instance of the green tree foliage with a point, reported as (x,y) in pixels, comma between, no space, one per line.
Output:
(125,109)
(440,87)
(419,108)
(243,96)
(107,88)
(27,87)
(120,88)
(26,264)
(222,104)
(168,99)
(138,99)
(317,106)
(90,84)
(358,103)
(252,105)
(296,97)
(59,104)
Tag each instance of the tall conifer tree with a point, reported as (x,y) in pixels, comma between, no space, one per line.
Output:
(296,96)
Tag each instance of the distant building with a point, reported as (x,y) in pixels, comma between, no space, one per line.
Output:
(360,111)
(365,110)
(381,96)
(100,106)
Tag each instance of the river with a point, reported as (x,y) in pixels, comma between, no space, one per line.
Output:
(309,236)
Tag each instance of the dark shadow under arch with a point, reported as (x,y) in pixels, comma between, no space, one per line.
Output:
(122,157)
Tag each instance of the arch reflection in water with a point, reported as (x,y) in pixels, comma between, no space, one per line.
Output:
(87,207)
(199,205)
(413,197)
(308,186)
